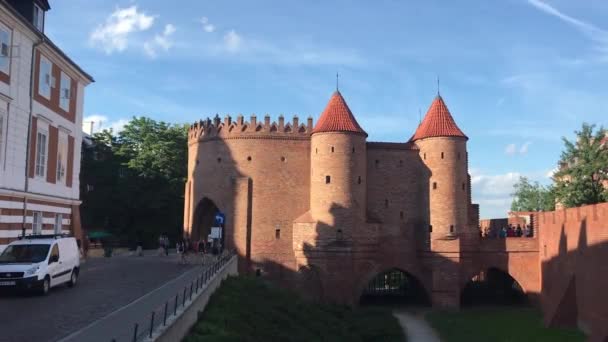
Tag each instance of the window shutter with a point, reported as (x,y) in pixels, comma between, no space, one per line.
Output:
(68,178)
(33,134)
(51,174)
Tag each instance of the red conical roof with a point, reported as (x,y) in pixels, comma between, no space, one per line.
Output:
(337,117)
(438,122)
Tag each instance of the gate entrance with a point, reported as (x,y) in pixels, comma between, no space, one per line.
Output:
(395,287)
(203,220)
(493,287)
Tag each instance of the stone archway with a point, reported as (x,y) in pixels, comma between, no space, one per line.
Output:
(492,287)
(395,287)
(203,219)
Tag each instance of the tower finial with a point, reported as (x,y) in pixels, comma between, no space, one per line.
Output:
(438,94)
(337,79)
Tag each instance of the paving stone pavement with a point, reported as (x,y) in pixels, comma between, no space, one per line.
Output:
(416,327)
(105,285)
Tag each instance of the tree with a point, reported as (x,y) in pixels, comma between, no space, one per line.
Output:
(136,180)
(583,168)
(532,196)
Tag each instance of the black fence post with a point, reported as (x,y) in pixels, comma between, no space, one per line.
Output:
(175,307)
(196,285)
(135,332)
(165,316)
(184,299)
(191,285)
(152,323)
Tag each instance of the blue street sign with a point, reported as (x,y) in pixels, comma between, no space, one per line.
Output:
(219,218)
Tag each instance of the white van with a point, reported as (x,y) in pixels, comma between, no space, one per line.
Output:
(39,262)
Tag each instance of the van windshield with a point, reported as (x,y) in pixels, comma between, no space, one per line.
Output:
(16,254)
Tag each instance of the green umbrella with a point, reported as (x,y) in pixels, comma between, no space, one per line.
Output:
(100,234)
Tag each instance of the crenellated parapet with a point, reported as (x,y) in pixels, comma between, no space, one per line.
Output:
(228,128)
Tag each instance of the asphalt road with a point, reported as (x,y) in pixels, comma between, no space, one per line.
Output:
(105,285)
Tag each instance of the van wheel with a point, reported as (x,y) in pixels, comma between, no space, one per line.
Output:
(45,286)
(73,278)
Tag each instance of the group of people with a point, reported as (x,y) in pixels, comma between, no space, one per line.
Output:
(508,231)
(163,243)
(201,247)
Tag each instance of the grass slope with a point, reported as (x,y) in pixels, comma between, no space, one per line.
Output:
(498,325)
(248,309)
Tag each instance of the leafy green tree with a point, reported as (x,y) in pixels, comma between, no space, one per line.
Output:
(133,181)
(583,170)
(532,196)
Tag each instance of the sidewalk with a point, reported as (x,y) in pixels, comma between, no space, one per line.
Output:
(119,324)
(416,328)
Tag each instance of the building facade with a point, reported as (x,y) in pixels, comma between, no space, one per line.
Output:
(41,104)
(321,202)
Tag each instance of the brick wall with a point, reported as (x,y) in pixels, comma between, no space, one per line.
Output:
(573,253)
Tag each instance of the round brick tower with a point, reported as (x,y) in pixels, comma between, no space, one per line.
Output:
(338,168)
(443,149)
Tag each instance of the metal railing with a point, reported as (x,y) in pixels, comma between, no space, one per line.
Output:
(158,317)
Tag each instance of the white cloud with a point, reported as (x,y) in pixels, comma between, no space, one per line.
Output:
(551,172)
(493,193)
(494,185)
(511,149)
(596,34)
(96,123)
(160,41)
(207,26)
(524,148)
(114,34)
(232,41)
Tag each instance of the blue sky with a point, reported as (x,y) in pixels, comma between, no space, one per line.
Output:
(517,75)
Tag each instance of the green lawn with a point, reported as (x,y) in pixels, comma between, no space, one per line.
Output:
(248,309)
(498,324)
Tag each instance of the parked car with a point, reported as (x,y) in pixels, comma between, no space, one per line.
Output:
(40,262)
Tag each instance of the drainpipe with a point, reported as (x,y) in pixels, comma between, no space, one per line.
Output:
(29,133)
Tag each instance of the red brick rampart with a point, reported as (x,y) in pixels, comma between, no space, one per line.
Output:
(574,264)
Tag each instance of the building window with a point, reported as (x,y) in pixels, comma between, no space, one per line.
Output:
(38,19)
(359,180)
(332,149)
(463,186)
(36,222)
(441,155)
(434,185)
(277,234)
(64,94)
(45,79)
(62,157)
(219,160)
(353,150)
(283,159)
(58,223)
(425,156)
(451,228)
(41,147)
(430,228)
(316,150)
(5,49)
(339,234)
(327,179)
(248,158)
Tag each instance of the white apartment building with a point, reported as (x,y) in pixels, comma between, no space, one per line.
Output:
(41,103)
